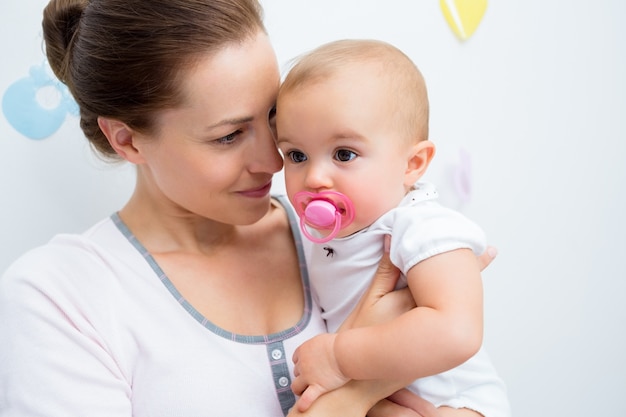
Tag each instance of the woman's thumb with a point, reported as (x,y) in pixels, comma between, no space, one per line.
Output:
(387,274)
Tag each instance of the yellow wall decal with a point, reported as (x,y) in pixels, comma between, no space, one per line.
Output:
(463,16)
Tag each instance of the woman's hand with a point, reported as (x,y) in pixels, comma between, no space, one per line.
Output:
(381,303)
(358,398)
(403,404)
(486,257)
(355,399)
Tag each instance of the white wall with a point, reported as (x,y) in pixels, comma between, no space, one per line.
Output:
(536,97)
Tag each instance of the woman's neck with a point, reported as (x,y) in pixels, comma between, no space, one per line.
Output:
(163,227)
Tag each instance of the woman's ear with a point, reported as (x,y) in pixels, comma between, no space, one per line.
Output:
(121,138)
(420,156)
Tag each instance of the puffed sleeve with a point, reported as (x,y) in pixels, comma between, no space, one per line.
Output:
(427,229)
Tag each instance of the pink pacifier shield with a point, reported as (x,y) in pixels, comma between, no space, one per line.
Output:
(327,210)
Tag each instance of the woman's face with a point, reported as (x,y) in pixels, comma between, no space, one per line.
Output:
(215,155)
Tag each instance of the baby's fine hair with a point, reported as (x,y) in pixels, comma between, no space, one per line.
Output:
(404,80)
(124,59)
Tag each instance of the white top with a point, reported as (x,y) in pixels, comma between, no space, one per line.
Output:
(91,326)
(340,272)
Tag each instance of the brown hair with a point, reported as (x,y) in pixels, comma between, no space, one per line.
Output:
(406,84)
(123,58)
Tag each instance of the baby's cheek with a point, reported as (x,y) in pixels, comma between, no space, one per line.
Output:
(366,213)
(371,202)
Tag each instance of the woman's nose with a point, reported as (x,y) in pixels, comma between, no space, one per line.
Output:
(266,155)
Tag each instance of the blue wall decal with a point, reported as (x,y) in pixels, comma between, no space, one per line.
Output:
(36,105)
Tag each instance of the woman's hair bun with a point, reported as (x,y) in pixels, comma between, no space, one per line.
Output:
(60,23)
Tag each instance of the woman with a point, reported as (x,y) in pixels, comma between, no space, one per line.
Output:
(192,298)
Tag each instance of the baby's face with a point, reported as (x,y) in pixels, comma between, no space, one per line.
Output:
(337,134)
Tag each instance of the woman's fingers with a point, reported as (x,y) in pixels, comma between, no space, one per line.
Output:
(415,403)
(487,257)
(386,275)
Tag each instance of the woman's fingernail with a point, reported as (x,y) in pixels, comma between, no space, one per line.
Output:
(386,243)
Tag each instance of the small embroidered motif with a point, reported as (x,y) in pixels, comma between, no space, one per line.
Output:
(329,251)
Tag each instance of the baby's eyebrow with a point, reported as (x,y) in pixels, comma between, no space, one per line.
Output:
(281,140)
(348,134)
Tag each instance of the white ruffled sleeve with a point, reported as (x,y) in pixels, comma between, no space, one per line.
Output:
(426,229)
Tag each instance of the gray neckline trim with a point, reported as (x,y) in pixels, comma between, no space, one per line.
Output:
(259,339)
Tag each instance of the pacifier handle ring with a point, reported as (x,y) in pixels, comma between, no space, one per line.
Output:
(303,227)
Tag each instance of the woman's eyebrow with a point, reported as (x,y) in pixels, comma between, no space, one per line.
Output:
(233,121)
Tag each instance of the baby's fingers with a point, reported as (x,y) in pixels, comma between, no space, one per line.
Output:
(298,385)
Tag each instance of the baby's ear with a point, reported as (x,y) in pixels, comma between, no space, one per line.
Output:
(419,158)
(121,138)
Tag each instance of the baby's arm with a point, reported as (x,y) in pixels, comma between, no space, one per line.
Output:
(442,332)
(379,304)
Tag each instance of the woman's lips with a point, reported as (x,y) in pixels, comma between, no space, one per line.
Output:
(258,192)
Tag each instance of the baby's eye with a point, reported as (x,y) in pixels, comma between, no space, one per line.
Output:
(296,156)
(345,155)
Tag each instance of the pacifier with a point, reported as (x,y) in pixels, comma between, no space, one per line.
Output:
(327,210)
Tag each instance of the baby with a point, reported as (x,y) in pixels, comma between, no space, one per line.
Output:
(352,125)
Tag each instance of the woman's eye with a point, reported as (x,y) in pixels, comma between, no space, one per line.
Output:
(296,156)
(345,155)
(228,139)
(271,118)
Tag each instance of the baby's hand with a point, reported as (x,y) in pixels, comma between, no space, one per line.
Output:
(316,370)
